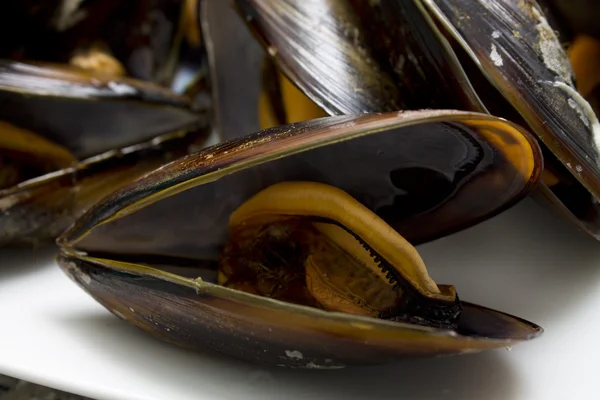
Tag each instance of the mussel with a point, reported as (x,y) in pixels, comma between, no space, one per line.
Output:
(501,57)
(69,136)
(141,39)
(293,246)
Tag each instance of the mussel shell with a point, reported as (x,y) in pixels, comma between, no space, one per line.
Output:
(516,66)
(88,113)
(566,195)
(516,48)
(115,128)
(175,219)
(38,210)
(349,57)
(198,315)
(235,60)
(428,174)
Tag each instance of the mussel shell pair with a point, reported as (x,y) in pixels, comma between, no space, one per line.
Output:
(107,130)
(501,57)
(148,252)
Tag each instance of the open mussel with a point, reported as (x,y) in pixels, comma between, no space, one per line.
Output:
(68,137)
(293,246)
(500,57)
(313,244)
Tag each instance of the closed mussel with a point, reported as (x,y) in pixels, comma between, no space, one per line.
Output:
(293,246)
(500,57)
(68,136)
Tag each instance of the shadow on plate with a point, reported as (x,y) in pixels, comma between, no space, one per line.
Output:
(484,375)
(22,261)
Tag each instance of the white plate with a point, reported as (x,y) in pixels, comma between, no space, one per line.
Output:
(526,262)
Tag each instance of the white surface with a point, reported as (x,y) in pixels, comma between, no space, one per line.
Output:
(526,261)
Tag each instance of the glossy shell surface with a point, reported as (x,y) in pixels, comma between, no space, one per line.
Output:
(109,130)
(86,112)
(504,56)
(148,251)
(198,315)
(37,211)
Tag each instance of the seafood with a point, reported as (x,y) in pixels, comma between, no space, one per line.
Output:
(504,59)
(69,136)
(235,60)
(142,39)
(293,246)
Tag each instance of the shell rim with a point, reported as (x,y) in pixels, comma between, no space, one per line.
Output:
(80,166)
(200,285)
(68,240)
(137,89)
(384,121)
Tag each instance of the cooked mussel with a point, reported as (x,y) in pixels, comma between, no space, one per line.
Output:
(293,246)
(313,244)
(67,137)
(141,38)
(499,57)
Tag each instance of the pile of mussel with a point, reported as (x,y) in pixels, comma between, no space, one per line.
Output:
(253,176)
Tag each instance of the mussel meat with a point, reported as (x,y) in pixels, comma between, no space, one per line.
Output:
(311,243)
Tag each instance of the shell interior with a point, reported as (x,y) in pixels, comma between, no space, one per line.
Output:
(88,113)
(161,237)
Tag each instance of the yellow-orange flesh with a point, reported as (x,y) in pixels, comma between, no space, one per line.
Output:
(584,54)
(298,107)
(23,154)
(97,59)
(191,24)
(313,244)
